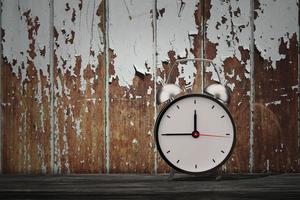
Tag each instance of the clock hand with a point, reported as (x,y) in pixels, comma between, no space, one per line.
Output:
(212,135)
(195,121)
(177,134)
(195,135)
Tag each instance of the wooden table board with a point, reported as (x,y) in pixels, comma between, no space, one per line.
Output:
(234,186)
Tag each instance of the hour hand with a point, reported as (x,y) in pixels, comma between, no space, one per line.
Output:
(176,134)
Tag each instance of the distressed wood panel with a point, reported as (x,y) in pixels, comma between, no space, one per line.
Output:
(26,86)
(178,36)
(79,86)
(276,146)
(227,43)
(131,87)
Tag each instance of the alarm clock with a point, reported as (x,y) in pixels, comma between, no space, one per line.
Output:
(194,133)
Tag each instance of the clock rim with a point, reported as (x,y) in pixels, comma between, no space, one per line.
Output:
(162,112)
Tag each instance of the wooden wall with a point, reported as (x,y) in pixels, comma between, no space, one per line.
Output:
(79,79)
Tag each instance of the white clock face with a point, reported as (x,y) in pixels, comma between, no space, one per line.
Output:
(195,133)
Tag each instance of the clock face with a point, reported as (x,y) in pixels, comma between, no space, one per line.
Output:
(195,133)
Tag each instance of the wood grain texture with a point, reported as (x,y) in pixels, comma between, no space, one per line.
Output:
(276,146)
(232,187)
(143,44)
(178,36)
(25,86)
(131,87)
(227,43)
(79,86)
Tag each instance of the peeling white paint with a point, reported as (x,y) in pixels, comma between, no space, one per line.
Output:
(231,86)
(229,28)
(131,123)
(83,26)
(176,29)
(130,36)
(149,90)
(276,20)
(135,141)
(16,44)
(78,127)
(273,103)
(231,74)
(295,87)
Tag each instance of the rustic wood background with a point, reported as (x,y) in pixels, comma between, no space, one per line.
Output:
(78,80)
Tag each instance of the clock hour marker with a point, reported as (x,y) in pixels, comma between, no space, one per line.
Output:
(178,161)
(168,151)
(195,166)
(213,107)
(227,134)
(177,106)
(213,160)
(168,116)
(194,101)
(222,151)
(222,116)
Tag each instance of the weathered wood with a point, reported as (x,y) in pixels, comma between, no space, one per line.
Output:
(131,89)
(276,146)
(136,42)
(25,86)
(227,43)
(79,86)
(233,186)
(178,36)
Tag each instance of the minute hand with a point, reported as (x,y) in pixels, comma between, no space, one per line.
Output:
(201,134)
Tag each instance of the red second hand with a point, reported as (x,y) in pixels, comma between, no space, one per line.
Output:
(203,134)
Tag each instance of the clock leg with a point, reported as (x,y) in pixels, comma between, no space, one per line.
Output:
(172,174)
(219,175)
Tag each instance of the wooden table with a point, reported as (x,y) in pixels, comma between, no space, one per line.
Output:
(233,186)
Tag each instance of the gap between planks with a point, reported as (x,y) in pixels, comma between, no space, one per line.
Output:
(154,55)
(252,89)
(106,102)
(51,54)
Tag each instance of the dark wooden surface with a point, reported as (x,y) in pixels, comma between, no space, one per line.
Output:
(234,186)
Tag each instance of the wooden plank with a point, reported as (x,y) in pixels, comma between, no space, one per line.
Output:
(178,36)
(131,87)
(276,37)
(25,86)
(227,43)
(233,186)
(79,86)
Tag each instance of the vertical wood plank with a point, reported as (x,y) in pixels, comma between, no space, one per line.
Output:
(178,36)
(227,43)
(79,86)
(25,86)
(131,89)
(276,147)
